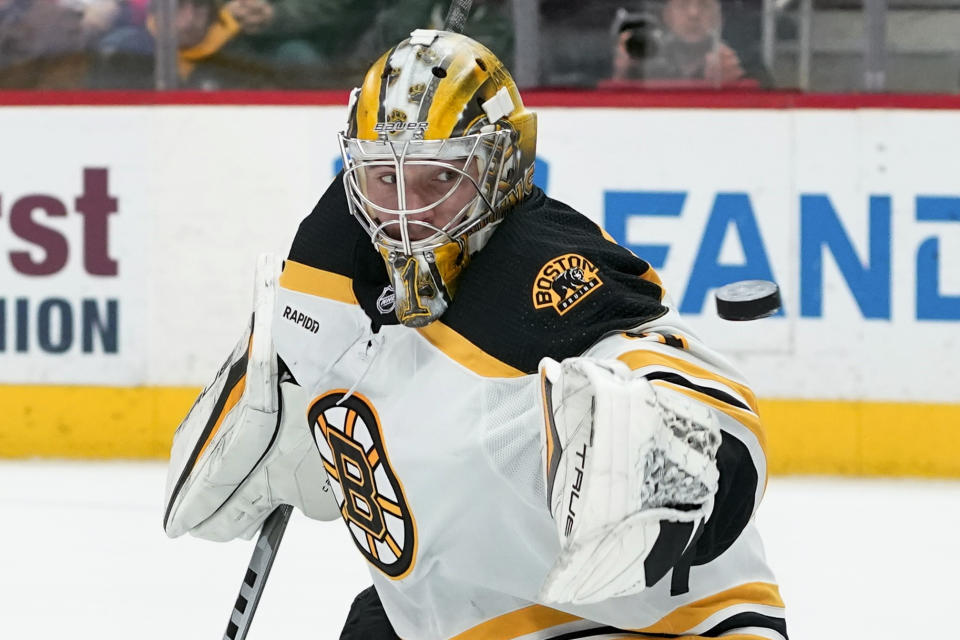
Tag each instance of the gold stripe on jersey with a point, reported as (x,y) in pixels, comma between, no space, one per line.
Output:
(521,622)
(688,616)
(645,358)
(317,282)
(466,353)
(517,623)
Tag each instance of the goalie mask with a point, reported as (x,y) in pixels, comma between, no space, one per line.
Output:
(438,147)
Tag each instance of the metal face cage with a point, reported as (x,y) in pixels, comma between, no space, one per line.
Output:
(384,210)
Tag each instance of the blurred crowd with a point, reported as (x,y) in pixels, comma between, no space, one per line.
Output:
(305,44)
(221,44)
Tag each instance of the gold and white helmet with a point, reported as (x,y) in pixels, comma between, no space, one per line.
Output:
(438,146)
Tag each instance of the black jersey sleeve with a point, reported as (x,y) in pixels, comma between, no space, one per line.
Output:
(550,282)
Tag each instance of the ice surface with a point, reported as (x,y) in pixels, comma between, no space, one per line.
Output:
(85,557)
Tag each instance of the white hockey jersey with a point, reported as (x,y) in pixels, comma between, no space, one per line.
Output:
(431,437)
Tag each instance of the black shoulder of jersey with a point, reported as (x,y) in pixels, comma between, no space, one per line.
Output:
(327,238)
(549,283)
(330,239)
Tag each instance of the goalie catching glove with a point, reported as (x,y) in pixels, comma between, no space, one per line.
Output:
(620,457)
(244,448)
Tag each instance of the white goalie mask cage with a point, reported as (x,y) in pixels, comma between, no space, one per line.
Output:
(381,195)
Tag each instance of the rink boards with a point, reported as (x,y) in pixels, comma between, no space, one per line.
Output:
(128,237)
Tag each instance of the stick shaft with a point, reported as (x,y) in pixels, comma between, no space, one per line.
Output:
(255,579)
(457,15)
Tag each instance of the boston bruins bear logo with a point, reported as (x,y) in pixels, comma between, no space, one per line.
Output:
(564,282)
(569,279)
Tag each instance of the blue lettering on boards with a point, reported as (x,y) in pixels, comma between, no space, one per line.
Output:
(707,272)
(620,206)
(931,303)
(869,282)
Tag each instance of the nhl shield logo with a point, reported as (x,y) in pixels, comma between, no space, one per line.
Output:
(565,282)
(371,498)
(387,301)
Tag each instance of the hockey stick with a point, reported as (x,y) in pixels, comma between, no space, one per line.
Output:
(261,561)
(457,15)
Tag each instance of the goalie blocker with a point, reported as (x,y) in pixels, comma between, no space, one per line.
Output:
(244,448)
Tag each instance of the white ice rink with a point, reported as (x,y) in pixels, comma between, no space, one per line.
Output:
(84,557)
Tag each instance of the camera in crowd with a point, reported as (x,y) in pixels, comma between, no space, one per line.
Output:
(648,37)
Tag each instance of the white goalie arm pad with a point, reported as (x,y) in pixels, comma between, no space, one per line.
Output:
(620,457)
(244,447)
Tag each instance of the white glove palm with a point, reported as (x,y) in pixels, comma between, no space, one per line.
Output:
(619,458)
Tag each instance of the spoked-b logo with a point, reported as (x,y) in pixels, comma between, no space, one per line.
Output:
(350,440)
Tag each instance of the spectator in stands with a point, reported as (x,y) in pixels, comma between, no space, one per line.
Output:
(323,43)
(41,46)
(99,17)
(682,42)
(209,56)
(356,32)
(102,16)
(279,31)
(297,38)
(286,43)
(489,22)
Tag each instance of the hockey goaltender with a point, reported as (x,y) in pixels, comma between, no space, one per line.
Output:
(500,403)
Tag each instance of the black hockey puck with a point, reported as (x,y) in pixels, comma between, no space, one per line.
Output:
(748,300)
